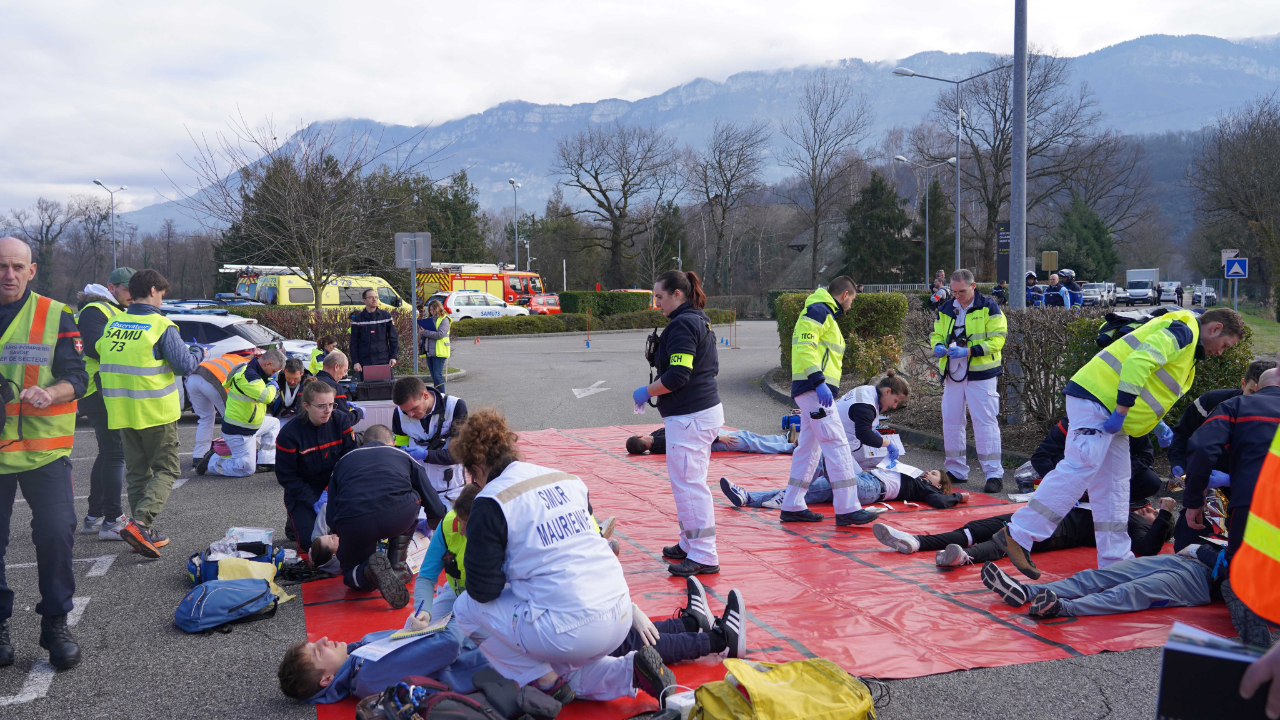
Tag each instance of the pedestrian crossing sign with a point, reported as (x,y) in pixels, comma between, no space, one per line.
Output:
(1238,268)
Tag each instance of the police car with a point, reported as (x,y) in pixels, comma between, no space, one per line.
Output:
(460,304)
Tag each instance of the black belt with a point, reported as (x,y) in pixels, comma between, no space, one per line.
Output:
(882,491)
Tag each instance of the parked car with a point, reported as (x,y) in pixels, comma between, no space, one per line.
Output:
(230,333)
(1093,294)
(1122,295)
(1204,295)
(545,304)
(1141,292)
(461,304)
(1169,291)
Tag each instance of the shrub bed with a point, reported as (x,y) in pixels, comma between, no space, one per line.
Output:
(603,303)
(571,322)
(870,328)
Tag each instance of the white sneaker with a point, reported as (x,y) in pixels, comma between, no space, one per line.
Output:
(111,531)
(952,556)
(903,542)
(91,524)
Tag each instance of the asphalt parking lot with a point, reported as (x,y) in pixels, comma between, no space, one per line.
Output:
(138,665)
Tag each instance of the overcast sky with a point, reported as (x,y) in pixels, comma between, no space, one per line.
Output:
(111,90)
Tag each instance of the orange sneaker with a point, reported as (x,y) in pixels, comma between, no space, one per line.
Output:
(143,540)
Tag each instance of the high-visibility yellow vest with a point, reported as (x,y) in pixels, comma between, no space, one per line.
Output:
(442,345)
(1149,355)
(455,541)
(817,347)
(984,325)
(91,365)
(26,360)
(314,365)
(140,390)
(1255,569)
(247,400)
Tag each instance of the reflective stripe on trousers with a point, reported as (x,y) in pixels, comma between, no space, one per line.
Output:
(689,439)
(824,440)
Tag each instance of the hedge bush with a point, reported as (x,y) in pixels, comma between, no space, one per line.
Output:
(571,322)
(603,304)
(872,318)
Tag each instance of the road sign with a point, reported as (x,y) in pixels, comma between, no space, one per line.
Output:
(1237,268)
(1227,255)
(1049,260)
(406,243)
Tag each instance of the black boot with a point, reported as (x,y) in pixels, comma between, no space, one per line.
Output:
(398,554)
(55,637)
(6,647)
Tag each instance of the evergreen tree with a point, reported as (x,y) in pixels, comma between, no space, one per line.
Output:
(942,237)
(1084,243)
(875,240)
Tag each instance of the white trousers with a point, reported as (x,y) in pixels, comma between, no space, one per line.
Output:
(248,451)
(983,401)
(209,406)
(1094,461)
(689,439)
(524,644)
(825,440)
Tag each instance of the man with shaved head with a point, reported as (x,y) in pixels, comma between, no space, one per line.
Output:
(42,375)
(1240,432)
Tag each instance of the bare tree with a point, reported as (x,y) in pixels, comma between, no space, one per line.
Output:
(829,123)
(723,176)
(298,202)
(42,226)
(624,171)
(1066,147)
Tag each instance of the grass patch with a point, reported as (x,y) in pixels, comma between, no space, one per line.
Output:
(1266,331)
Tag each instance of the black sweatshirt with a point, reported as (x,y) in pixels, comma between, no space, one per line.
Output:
(693,389)
(377,477)
(339,395)
(863,415)
(306,454)
(920,490)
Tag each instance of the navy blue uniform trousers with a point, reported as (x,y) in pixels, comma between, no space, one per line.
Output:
(48,493)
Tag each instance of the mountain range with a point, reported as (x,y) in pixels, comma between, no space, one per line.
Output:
(1150,84)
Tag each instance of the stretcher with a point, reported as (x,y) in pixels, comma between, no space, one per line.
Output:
(810,589)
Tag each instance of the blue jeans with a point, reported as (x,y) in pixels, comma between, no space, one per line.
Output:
(819,492)
(750,442)
(436,366)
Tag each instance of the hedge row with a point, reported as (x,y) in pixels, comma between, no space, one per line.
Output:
(870,328)
(604,303)
(571,322)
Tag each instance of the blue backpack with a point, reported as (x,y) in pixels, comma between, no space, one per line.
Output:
(200,569)
(219,604)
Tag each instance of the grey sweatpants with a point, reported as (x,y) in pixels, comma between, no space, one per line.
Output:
(1135,584)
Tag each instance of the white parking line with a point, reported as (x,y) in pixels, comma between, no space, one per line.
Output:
(41,675)
(101,564)
(176,484)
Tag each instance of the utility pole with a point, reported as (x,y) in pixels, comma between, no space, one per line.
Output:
(1018,179)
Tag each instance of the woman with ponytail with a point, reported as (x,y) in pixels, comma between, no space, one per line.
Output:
(690,407)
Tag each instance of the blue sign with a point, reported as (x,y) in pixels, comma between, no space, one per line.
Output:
(1238,268)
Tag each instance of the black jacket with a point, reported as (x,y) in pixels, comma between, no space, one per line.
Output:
(378,477)
(1241,429)
(693,389)
(373,338)
(920,490)
(862,415)
(306,454)
(1192,418)
(339,395)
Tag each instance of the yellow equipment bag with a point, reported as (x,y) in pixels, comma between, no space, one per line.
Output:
(813,689)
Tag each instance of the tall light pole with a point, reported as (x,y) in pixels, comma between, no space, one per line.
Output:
(1018,173)
(927,188)
(112,193)
(907,72)
(515,221)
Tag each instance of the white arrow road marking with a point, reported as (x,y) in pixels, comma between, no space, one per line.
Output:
(101,564)
(40,678)
(595,388)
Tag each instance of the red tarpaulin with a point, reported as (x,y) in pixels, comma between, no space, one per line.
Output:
(810,589)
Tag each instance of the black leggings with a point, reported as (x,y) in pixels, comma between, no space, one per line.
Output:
(980,530)
(358,539)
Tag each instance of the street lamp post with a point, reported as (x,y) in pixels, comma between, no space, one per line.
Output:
(907,72)
(112,193)
(927,188)
(515,221)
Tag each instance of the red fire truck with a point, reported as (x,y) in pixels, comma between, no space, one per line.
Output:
(513,286)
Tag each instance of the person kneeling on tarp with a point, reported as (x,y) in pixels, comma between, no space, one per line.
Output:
(544,591)
(691,634)
(1192,577)
(375,493)
(655,443)
(876,485)
(1150,530)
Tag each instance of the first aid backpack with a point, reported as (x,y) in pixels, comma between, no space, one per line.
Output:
(812,689)
(218,604)
(201,569)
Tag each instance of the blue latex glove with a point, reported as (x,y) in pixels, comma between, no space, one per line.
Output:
(1218,479)
(956,353)
(824,395)
(1177,471)
(939,350)
(893,453)
(1113,423)
(417,452)
(1163,434)
(641,394)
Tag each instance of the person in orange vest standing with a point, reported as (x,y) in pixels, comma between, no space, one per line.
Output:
(43,375)
(1255,573)
(209,397)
